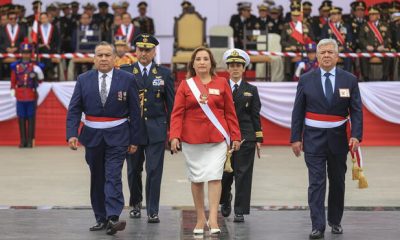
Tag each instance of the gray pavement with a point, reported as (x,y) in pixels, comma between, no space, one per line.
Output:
(46,177)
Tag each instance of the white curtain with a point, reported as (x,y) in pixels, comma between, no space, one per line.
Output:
(380,98)
(8,103)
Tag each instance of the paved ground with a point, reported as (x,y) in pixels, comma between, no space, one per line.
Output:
(55,176)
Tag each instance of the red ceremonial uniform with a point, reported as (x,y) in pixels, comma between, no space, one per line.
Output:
(190,124)
(23,81)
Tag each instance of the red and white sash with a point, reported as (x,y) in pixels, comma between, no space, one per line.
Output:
(323,120)
(46,37)
(338,35)
(128,34)
(103,122)
(376,31)
(296,34)
(207,110)
(322,20)
(12,36)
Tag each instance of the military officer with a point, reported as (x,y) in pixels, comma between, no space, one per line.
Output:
(319,21)
(104,20)
(292,40)
(239,21)
(307,9)
(374,37)
(395,29)
(247,105)
(122,48)
(338,30)
(156,92)
(75,13)
(274,22)
(262,16)
(146,23)
(25,75)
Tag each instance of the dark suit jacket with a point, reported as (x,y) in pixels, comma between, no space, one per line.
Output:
(248,106)
(310,98)
(5,40)
(54,41)
(158,100)
(86,99)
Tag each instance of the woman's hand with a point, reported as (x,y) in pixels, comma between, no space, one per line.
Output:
(236,145)
(175,145)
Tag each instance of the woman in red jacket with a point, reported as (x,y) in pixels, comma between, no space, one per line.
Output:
(204,121)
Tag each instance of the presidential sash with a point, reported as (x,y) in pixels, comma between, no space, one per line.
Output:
(376,32)
(338,35)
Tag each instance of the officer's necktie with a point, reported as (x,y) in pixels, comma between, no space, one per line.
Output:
(328,88)
(144,73)
(103,91)
(235,90)
(126,30)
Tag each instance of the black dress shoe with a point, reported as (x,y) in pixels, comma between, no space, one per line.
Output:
(336,229)
(98,227)
(238,218)
(226,208)
(135,212)
(153,218)
(316,234)
(114,226)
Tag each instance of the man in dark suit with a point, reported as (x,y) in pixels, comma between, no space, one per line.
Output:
(108,97)
(104,20)
(156,93)
(248,106)
(325,98)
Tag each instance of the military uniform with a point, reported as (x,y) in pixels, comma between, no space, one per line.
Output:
(24,82)
(370,38)
(156,93)
(125,59)
(319,21)
(307,64)
(247,105)
(289,43)
(341,32)
(238,23)
(104,22)
(146,23)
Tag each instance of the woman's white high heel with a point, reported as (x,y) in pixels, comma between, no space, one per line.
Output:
(213,230)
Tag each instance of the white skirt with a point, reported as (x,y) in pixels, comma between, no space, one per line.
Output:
(205,162)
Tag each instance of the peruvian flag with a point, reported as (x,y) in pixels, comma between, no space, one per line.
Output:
(35,26)
(297,31)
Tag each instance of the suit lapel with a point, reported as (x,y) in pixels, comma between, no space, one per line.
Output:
(241,90)
(96,84)
(337,85)
(318,86)
(114,83)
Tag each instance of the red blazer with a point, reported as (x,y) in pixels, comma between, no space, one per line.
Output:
(190,124)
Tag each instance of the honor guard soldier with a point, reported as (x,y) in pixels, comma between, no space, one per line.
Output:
(122,48)
(374,37)
(247,105)
(239,21)
(322,19)
(25,75)
(308,63)
(156,93)
(293,39)
(146,23)
(274,21)
(338,30)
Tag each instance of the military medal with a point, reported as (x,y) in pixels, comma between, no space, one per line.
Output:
(158,94)
(203,98)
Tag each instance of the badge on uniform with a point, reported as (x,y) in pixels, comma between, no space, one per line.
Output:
(158,82)
(213,91)
(247,94)
(344,92)
(121,96)
(135,70)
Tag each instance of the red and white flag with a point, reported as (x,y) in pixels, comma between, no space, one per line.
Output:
(35,26)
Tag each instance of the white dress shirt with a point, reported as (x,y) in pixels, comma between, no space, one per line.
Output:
(148,67)
(332,77)
(108,80)
(232,83)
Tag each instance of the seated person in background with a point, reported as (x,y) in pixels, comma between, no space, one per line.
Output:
(49,42)
(121,47)
(85,36)
(128,29)
(146,23)
(308,63)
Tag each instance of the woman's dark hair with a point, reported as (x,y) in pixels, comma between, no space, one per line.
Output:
(190,70)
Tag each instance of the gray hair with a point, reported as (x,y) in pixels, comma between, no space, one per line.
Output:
(104,43)
(328,41)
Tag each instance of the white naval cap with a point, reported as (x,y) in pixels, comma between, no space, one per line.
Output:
(236,55)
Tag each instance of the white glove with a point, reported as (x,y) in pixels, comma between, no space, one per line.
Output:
(12,92)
